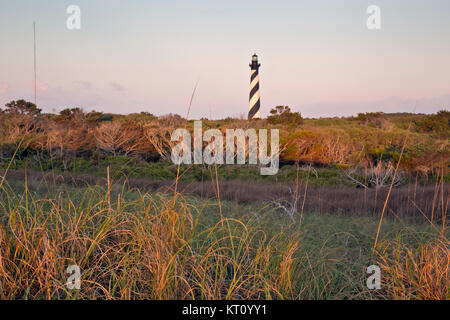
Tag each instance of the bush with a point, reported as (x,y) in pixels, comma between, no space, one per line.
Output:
(283,115)
(373,119)
(439,123)
(22,107)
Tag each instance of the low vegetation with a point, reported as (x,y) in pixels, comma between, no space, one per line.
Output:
(133,245)
(361,141)
(98,191)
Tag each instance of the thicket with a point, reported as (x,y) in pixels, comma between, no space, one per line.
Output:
(361,141)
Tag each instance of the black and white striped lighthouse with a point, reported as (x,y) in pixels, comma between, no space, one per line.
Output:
(254,102)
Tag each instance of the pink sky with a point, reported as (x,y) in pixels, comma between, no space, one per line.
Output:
(317,57)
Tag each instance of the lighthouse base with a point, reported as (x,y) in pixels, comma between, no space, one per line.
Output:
(256,116)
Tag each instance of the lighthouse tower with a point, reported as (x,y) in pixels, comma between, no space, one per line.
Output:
(254,103)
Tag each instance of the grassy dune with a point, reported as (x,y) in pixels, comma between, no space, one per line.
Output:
(131,245)
(98,191)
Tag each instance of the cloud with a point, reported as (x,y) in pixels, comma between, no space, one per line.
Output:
(40,86)
(3,87)
(117,86)
(84,84)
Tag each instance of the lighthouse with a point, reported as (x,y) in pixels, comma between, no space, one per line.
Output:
(254,101)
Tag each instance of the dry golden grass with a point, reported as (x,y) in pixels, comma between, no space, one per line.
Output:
(152,246)
(416,273)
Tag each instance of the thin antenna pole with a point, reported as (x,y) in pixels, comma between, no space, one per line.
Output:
(35,82)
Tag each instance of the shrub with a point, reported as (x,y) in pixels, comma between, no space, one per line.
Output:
(283,115)
(439,123)
(374,119)
(22,107)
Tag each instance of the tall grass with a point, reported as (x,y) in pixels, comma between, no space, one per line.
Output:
(132,245)
(419,272)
